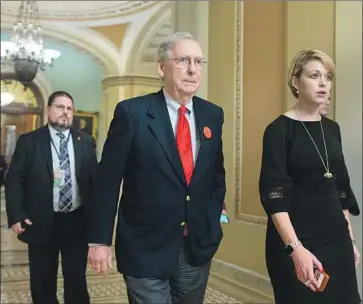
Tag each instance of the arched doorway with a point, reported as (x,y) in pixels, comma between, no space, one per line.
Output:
(21,112)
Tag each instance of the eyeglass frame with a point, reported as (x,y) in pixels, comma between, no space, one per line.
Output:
(188,63)
(62,107)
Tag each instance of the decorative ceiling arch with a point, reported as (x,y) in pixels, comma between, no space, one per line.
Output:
(84,40)
(78,11)
(159,26)
(136,32)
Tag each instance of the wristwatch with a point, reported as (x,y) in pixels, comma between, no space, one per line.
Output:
(292,246)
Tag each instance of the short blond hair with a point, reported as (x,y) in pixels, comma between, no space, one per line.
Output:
(301,59)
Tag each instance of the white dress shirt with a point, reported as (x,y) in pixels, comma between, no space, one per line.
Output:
(76,202)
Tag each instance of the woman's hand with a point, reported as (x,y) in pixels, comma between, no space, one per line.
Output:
(304,262)
(356,254)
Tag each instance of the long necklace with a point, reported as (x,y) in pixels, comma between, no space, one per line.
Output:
(327,173)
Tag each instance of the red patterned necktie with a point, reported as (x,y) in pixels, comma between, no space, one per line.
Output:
(184,144)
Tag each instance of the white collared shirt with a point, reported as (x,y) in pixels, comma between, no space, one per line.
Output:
(76,202)
(173,108)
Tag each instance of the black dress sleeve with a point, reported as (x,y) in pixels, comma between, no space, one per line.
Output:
(342,179)
(354,207)
(275,184)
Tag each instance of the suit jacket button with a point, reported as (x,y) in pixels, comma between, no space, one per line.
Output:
(182,224)
(188,198)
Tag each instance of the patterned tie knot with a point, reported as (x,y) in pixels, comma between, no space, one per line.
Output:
(182,110)
(61,135)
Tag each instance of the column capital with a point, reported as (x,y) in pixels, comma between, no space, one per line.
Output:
(130,79)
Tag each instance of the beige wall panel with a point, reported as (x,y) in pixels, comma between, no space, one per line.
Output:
(310,24)
(221,77)
(263,89)
(243,242)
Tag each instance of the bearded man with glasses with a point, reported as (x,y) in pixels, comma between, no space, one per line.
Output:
(47,189)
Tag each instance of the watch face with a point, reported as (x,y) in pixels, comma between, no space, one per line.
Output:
(289,249)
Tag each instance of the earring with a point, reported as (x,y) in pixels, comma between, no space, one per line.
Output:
(297,92)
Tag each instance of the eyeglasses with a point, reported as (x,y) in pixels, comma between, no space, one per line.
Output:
(62,107)
(186,62)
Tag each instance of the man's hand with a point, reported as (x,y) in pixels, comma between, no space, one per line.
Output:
(18,229)
(100,258)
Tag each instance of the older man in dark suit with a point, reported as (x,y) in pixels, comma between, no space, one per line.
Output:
(47,190)
(166,147)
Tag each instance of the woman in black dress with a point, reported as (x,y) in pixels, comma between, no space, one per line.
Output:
(305,191)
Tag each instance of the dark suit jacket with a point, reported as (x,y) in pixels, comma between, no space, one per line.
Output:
(3,167)
(141,150)
(29,181)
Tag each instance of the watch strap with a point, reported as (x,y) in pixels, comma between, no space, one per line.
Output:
(292,246)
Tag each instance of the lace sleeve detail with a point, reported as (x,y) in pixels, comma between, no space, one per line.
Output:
(276,193)
(276,199)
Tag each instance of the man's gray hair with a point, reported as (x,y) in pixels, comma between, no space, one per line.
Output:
(165,47)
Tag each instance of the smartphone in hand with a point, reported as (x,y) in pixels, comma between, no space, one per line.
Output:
(322,278)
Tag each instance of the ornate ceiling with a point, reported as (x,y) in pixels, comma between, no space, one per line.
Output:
(136,26)
(80,10)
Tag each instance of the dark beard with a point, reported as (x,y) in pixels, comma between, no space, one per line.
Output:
(57,126)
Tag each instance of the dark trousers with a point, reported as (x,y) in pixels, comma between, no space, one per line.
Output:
(186,286)
(70,241)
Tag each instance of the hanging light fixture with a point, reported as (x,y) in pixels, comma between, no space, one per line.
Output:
(25,50)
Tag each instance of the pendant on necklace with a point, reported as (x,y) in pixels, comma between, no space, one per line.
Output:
(328,174)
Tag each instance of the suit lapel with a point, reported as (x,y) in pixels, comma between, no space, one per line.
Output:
(45,141)
(201,121)
(160,126)
(77,141)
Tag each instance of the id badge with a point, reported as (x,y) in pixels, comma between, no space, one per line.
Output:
(58,178)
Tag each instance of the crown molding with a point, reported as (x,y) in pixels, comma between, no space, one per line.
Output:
(78,11)
(130,80)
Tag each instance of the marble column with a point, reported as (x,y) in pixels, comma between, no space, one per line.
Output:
(113,92)
(348,109)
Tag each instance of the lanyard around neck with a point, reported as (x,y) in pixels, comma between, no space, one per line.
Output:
(55,148)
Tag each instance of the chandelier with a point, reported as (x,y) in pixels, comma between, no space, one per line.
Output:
(25,50)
